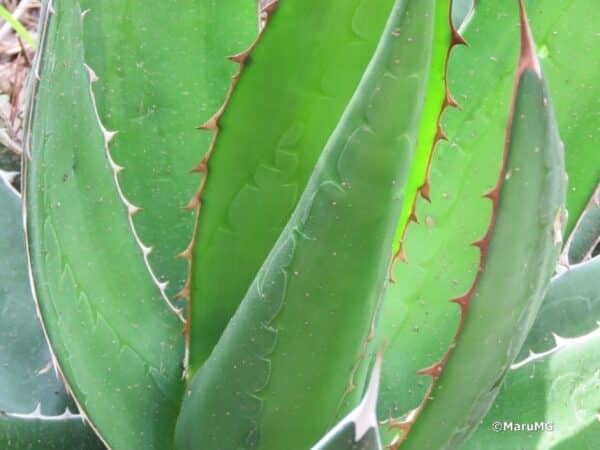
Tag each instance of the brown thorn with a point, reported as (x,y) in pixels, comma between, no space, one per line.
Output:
(463,300)
(492,194)
(183,293)
(481,244)
(424,191)
(439,134)
(239,58)
(400,425)
(211,124)
(201,167)
(456,38)
(401,254)
(434,370)
(449,100)
(192,204)
(186,254)
(186,328)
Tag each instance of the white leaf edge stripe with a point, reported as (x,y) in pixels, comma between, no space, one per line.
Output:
(560,343)
(364,415)
(36,414)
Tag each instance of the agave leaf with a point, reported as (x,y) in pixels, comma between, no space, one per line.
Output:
(441,265)
(498,309)
(27,380)
(291,92)
(23,351)
(162,71)
(560,26)
(437,99)
(359,430)
(116,341)
(558,384)
(559,390)
(286,363)
(37,432)
(586,235)
(417,317)
(571,308)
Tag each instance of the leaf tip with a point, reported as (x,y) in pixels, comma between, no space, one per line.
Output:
(528,58)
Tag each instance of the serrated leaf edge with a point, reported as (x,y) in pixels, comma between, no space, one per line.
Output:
(195,203)
(45,18)
(424,190)
(559,343)
(527,61)
(36,414)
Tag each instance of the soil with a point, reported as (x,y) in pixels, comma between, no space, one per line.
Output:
(15,61)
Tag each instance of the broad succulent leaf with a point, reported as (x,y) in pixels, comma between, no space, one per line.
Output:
(560,27)
(34,407)
(162,72)
(291,91)
(499,307)
(417,317)
(271,380)
(34,431)
(586,235)
(359,430)
(23,350)
(417,321)
(557,386)
(571,308)
(437,99)
(116,341)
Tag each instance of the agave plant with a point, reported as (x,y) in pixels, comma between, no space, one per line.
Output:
(355,251)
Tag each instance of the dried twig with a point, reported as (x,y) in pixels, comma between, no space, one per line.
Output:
(6,141)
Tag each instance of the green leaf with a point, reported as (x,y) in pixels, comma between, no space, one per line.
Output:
(499,308)
(23,350)
(558,384)
(437,99)
(289,97)
(117,343)
(417,317)
(37,432)
(586,235)
(28,384)
(560,389)
(16,25)
(287,364)
(571,308)
(560,27)
(417,320)
(162,71)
